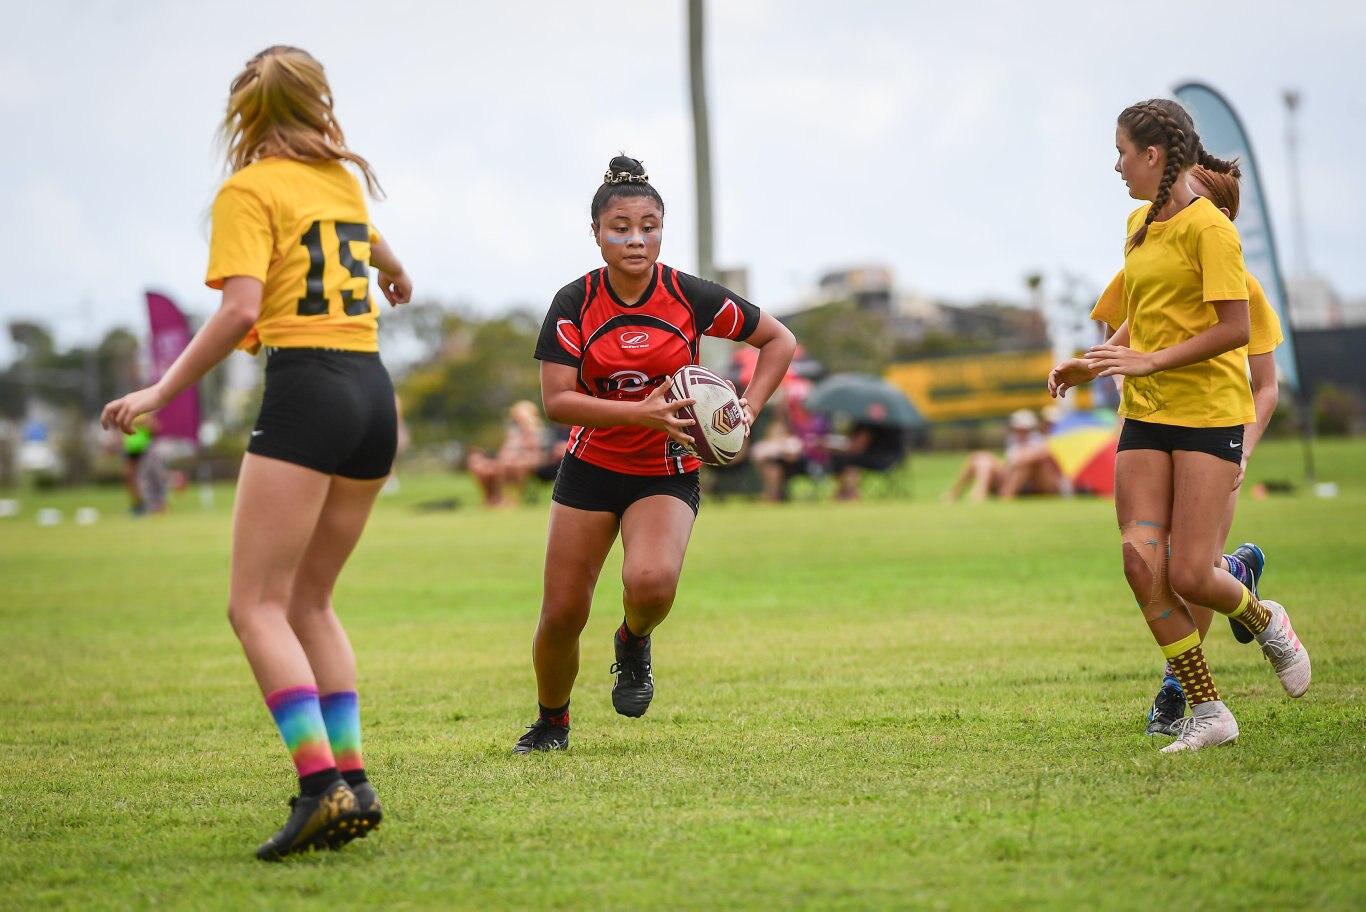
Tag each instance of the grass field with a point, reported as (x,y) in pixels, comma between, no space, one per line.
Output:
(890,704)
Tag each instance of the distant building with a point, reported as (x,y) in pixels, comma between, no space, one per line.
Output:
(912,315)
(955,362)
(1354,312)
(869,286)
(1313,304)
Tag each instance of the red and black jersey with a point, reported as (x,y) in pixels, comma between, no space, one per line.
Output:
(623,351)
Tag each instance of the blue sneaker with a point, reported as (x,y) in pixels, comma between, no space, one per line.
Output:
(1253,561)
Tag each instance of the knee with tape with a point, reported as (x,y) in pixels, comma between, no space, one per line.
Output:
(1147,554)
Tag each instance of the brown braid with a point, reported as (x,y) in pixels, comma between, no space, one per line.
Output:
(1218,165)
(1165,124)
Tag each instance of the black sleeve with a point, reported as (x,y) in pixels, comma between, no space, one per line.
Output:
(561,339)
(720,311)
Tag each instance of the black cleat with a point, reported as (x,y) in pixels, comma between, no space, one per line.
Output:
(1255,560)
(326,821)
(371,811)
(634,687)
(1169,708)
(541,735)
(1240,632)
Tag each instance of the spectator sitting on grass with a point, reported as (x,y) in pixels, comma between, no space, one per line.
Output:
(1028,467)
(528,449)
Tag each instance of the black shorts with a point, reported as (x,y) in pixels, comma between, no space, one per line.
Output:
(584,486)
(331,411)
(1224,442)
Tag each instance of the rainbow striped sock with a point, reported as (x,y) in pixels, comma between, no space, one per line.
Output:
(299,717)
(341,713)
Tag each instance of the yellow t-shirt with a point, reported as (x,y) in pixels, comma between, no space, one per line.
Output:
(1186,262)
(1112,309)
(303,229)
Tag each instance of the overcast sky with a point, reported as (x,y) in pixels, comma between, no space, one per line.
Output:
(962,144)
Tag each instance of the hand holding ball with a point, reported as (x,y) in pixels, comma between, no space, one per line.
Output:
(719,432)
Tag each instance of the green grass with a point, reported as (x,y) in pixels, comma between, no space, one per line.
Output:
(890,704)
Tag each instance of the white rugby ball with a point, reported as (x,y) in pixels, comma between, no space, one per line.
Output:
(720,429)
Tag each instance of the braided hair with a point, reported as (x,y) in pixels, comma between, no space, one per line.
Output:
(625,177)
(1163,123)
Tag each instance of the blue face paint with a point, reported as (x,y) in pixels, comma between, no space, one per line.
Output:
(619,234)
(652,238)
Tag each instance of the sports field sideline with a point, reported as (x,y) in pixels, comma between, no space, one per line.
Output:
(896,703)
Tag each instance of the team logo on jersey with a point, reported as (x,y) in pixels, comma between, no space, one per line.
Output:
(727,418)
(634,338)
(627,381)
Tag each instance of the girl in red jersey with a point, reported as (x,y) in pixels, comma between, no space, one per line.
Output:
(607,349)
(291,251)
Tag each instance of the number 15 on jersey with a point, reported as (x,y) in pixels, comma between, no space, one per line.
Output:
(331,241)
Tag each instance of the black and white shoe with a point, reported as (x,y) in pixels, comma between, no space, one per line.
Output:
(542,735)
(1169,709)
(634,687)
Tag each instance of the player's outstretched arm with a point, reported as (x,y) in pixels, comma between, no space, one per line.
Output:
(217,338)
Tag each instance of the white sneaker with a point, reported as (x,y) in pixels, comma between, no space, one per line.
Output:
(1284,651)
(1209,725)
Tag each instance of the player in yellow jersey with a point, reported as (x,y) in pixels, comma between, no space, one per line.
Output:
(292,250)
(1247,561)
(1185,403)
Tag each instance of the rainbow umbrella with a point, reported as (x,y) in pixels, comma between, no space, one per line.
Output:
(1083,445)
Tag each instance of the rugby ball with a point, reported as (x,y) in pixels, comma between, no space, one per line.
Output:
(720,429)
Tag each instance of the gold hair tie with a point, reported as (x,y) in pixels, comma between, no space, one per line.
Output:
(624,177)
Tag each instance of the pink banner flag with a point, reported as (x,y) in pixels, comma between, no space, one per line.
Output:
(170,335)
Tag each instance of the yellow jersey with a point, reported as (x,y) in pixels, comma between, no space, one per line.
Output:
(303,229)
(1171,280)
(1112,309)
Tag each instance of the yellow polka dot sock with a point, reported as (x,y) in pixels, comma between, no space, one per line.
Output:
(1251,613)
(1188,664)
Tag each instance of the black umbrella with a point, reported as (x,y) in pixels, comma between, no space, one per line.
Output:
(864,398)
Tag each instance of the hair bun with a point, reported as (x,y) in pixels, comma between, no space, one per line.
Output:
(623,169)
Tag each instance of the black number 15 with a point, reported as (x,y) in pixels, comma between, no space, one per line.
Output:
(314,301)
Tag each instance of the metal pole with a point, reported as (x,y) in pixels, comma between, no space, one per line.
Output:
(706,267)
(1292,143)
(1292,147)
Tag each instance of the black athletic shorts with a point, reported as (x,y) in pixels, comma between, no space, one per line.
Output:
(328,410)
(584,486)
(1224,442)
